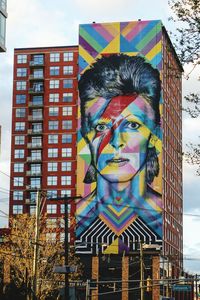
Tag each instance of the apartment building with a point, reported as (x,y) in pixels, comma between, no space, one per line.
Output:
(44,122)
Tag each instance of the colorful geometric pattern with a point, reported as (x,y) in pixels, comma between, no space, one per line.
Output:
(107,223)
(133,38)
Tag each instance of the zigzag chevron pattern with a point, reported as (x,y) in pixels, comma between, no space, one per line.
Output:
(100,239)
(143,38)
(114,227)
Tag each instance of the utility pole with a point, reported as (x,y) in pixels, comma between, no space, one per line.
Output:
(36,244)
(196,287)
(141,272)
(66,251)
(66,242)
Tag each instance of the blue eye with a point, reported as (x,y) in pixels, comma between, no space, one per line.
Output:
(133,125)
(101,127)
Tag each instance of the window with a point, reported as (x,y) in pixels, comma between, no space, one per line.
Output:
(51,223)
(36,141)
(38,73)
(67,111)
(67,124)
(53,152)
(38,59)
(18,195)
(20,99)
(37,100)
(66,180)
(52,166)
(68,56)
(67,83)
(18,181)
(19,126)
(53,111)
(35,169)
(19,140)
(62,206)
(37,127)
(51,194)
(19,153)
(54,57)
(54,84)
(32,209)
(67,97)
(68,70)
(53,125)
(54,71)
(36,155)
(21,72)
(21,85)
(51,208)
(51,237)
(20,112)
(66,138)
(62,236)
(53,138)
(37,114)
(52,180)
(37,87)
(53,97)
(35,183)
(66,152)
(66,166)
(18,167)
(17,209)
(21,58)
(33,197)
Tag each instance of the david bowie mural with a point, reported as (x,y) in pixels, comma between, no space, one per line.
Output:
(119,144)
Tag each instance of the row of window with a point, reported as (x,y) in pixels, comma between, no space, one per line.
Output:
(35,182)
(36,168)
(53,111)
(38,86)
(38,73)
(52,139)
(38,100)
(52,125)
(51,194)
(37,154)
(39,58)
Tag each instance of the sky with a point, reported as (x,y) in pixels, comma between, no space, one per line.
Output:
(37,23)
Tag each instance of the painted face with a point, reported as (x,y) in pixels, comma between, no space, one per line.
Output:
(119,135)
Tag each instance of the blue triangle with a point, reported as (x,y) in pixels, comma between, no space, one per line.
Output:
(126,46)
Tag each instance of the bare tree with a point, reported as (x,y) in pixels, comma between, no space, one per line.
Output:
(18,247)
(187,44)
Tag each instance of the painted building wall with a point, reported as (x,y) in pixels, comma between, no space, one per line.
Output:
(119,137)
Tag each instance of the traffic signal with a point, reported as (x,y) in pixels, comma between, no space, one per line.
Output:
(149,284)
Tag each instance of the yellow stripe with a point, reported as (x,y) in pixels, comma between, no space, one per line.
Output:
(113,29)
(115,212)
(85,55)
(154,51)
(128,28)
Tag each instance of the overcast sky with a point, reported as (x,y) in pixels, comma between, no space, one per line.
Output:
(35,23)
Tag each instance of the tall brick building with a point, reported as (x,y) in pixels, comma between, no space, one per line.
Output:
(44,146)
(43,154)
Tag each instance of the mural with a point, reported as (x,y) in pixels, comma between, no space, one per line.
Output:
(119,138)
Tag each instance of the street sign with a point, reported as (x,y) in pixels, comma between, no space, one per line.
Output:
(181,288)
